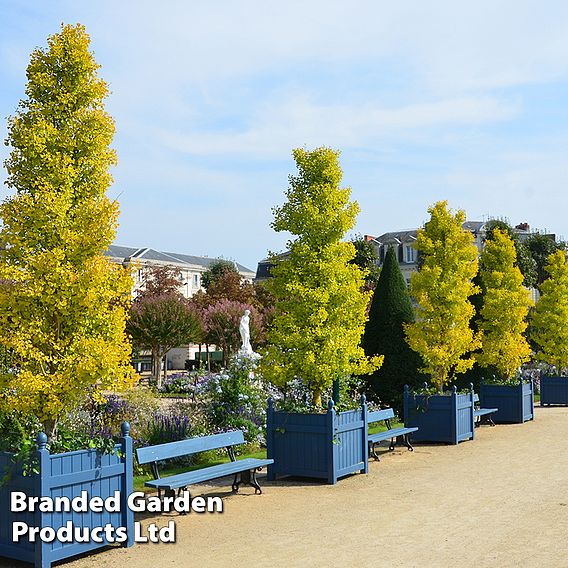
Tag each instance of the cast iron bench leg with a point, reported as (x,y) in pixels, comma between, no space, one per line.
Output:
(403,439)
(374,452)
(179,494)
(406,441)
(485,418)
(249,478)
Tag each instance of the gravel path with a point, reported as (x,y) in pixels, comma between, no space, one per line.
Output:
(499,501)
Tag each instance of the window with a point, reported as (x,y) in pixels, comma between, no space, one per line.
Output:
(409,254)
(196,280)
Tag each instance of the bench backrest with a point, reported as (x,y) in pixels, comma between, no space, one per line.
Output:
(188,447)
(376,415)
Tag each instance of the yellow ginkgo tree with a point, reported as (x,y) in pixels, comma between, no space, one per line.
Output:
(442,288)
(549,326)
(63,305)
(315,335)
(506,303)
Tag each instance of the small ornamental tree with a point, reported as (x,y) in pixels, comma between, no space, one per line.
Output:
(541,247)
(549,326)
(367,259)
(216,270)
(161,318)
(526,263)
(230,286)
(63,305)
(441,334)
(320,307)
(390,310)
(160,280)
(160,323)
(505,306)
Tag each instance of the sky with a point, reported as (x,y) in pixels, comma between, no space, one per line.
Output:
(464,101)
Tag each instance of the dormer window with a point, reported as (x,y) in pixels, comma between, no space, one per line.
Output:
(409,254)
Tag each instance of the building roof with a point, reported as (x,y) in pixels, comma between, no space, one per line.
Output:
(411,234)
(474,226)
(121,252)
(281,255)
(400,236)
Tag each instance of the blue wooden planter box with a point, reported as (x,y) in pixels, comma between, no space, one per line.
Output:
(515,402)
(553,390)
(66,475)
(440,418)
(322,446)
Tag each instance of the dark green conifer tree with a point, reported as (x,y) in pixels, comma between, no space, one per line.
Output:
(384,335)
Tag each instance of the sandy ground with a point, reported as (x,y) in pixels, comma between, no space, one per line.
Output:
(499,501)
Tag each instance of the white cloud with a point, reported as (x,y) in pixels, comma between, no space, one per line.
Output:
(276,128)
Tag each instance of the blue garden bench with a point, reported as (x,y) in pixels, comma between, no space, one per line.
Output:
(394,434)
(481,414)
(244,470)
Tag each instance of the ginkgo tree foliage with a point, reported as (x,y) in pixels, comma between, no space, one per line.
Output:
(549,326)
(320,306)
(63,305)
(506,303)
(441,334)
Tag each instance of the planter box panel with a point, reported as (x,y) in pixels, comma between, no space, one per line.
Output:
(321,446)
(348,442)
(301,439)
(440,418)
(528,401)
(464,417)
(433,426)
(67,475)
(515,403)
(24,550)
(553,390)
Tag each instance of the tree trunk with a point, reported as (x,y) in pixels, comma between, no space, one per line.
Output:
(165,375)
(316,401)
(156,361)
(439,380)
(50,428)
(208,357)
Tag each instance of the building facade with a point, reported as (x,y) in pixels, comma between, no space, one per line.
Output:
(191,269)
(404,244)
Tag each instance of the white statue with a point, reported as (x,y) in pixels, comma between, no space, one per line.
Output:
(246,348)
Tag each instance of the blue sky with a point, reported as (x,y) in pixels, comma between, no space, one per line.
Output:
(426,101)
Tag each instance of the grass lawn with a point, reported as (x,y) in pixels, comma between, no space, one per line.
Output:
(381,426)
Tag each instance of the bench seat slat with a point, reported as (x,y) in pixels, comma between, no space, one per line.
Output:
(395,432)
(207,473)
(484,411)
